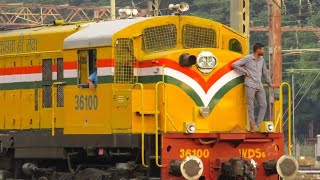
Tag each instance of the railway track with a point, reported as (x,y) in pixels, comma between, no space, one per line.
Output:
(308,173)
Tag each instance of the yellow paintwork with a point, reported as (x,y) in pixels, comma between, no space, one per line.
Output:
(30,47)
(113,114)
(88,121)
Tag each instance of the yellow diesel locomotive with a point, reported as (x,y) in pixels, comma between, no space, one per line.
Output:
(167,103)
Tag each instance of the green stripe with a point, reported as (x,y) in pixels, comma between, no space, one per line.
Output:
(168,79)
(18,85)
(105,79)
(196,98)
(142,79)
(39,84)
(226,88)
(150,79)
(191,93)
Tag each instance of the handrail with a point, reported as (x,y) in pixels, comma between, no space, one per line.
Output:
(162,71)
(279,119)
(53,105)
(157,120)
(142,126)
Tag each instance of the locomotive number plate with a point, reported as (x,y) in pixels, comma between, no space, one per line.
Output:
(86,102)
(200,153)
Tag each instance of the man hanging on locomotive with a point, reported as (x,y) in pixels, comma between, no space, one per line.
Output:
(253,66)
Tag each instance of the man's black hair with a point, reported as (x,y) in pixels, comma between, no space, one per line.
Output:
(257,46)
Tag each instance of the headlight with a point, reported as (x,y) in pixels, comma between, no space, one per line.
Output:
(211,62)
(135,12)
(206,61)
(189,128)
(202,62)
(270,127)
(266,127)
(128,12)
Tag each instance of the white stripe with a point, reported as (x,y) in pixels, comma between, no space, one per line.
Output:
(221,82)
(189,81)
(70,73)
(21,78)
(149,71)
(31,77)
(105,71)
(54,75)
(205,97)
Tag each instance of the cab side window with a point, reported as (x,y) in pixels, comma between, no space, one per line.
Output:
(235,45)
(86,65)
(47,78)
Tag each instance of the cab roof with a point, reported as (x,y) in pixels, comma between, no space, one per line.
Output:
(98,34)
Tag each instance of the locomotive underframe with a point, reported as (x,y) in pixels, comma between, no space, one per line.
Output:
(109,156)
(118,155)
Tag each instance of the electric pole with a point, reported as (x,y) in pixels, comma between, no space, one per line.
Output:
(275,48)
(293,117)
(275,52)
(113,9)
(153,7)
(239,18)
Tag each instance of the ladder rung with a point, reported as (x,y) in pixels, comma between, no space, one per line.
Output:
(154,157)
(148,112)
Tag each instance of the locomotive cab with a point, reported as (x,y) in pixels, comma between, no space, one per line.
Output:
(180,50)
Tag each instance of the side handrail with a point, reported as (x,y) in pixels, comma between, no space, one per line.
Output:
(279,118)
(142,125)
(54,85)
(166,115)
(157,120)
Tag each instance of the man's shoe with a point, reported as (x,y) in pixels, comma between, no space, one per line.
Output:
(254,129)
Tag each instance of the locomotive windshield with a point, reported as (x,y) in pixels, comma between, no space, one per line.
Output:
(160,38)
(198,37)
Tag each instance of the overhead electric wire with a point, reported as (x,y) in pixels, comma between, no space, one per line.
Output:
(302,97)
(303,94)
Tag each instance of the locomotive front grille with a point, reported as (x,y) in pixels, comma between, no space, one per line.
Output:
(160,38)
(198,37)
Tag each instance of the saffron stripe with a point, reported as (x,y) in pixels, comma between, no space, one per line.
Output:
(189,72)
(149,63)
(38,69)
